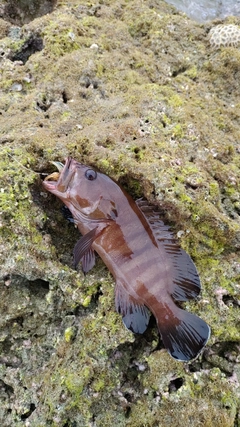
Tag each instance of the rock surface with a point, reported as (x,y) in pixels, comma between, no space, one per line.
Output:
(134,89)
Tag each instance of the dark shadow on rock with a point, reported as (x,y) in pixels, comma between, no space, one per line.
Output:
(33,44)
(24,11)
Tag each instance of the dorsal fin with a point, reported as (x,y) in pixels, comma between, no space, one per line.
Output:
(160,230)
(185,280)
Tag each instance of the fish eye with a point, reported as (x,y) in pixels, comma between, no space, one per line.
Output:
(91,174)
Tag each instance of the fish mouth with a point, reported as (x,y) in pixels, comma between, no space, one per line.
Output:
(57,182)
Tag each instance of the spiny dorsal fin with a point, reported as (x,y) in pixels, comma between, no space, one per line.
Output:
(185,280)
(160,230)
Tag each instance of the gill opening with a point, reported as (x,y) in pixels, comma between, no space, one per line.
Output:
(81,217)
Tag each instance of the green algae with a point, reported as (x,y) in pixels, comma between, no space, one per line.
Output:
(152,107)
(62,38)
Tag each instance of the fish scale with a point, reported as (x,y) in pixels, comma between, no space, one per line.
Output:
(150,269)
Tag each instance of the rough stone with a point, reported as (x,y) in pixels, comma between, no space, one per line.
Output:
(157,109)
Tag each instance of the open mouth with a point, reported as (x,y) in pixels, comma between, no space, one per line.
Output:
(58,181)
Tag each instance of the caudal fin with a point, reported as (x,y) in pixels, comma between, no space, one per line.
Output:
(184,334)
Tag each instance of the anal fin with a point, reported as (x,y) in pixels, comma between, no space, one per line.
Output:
(135,315)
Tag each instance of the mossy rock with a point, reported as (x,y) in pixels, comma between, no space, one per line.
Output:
(134,90)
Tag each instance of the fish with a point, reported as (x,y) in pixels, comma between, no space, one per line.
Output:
(153,274)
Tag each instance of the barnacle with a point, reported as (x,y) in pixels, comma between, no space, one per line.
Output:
(224,35)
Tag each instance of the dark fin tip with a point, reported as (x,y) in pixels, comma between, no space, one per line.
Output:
(185,336)
(135,316)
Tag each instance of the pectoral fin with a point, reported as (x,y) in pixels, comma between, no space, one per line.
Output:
(88,261)
(82,250)
(135,315)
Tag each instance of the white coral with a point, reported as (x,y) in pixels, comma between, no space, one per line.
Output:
(224,35)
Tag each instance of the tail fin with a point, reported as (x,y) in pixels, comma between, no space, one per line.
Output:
(184,334)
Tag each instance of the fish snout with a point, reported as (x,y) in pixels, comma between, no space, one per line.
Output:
(58,182)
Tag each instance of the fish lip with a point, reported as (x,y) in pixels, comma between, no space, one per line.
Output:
(50,185)
(60,186)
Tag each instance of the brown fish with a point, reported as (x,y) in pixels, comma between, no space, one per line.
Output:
(150,269)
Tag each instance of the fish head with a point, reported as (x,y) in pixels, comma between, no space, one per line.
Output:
(90,195)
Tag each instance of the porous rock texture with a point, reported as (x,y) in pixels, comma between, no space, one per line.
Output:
(134,89)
